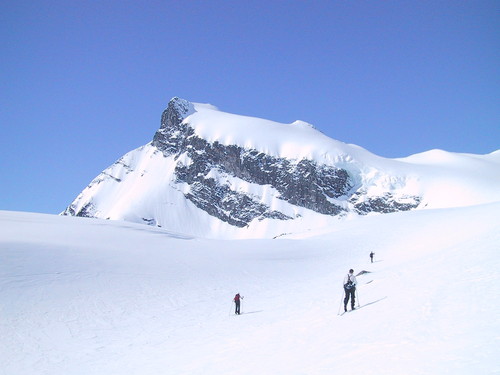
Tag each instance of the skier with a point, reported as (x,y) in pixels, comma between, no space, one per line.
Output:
(236,301)
(350,289)
(371,255)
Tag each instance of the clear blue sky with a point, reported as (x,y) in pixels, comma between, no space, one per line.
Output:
(84,82)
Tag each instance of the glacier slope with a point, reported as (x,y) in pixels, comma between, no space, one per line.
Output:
(89,296)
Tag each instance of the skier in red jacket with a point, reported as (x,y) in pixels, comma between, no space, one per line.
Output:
(236,301)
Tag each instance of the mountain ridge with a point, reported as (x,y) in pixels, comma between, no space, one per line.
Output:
(239,176)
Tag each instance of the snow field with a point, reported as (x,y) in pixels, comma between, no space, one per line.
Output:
(82,296)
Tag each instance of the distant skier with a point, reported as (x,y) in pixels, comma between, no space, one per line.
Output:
(371,255)
(236,301)
(350,289)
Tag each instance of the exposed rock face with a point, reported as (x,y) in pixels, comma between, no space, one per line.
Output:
(385,204)
(302,183)
(86,211)
(210,173)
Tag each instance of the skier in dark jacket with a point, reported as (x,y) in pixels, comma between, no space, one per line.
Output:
(236,301)
(371,255)
(350,289)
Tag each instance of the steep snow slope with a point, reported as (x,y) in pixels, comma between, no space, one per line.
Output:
(82,296)
(220,175)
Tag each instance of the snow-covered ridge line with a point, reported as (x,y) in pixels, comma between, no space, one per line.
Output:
(297,140)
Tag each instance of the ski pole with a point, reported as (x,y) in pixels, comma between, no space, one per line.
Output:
(357,296)
(340,305)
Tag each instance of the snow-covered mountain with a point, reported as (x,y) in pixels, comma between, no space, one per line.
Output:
(214,174)
(92,296)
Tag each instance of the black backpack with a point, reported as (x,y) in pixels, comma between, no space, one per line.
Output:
(349,284)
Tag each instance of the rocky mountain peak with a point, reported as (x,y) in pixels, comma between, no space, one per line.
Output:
(172,132)
(180,108)
(232,172)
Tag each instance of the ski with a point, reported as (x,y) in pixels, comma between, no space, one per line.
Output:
(348,311)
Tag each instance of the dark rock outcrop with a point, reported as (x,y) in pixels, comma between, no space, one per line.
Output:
(302,183)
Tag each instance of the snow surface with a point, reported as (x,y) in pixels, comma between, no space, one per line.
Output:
(88,296)
(148,192)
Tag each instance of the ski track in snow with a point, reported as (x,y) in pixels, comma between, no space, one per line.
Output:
(82,296)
